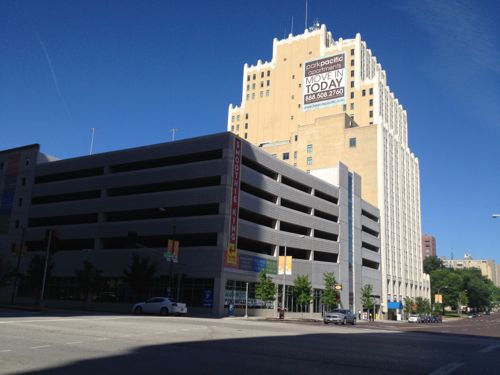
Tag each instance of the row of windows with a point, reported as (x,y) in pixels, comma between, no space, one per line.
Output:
(261,94)
(254,76)
(268,83)
(238,117)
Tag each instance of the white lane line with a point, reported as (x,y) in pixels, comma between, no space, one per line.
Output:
(59,320)
(73,342)
(40,347)
(5,350)
(101,339)
(489,348)
(447,369)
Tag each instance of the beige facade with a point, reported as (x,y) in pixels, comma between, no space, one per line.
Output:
(488,267)
(367,131)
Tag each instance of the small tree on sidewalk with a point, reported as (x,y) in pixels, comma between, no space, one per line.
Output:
(265,290)
(330,297)
(367,300)
(303,290)
(408,305)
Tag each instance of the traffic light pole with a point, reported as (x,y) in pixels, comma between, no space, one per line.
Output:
(16,280)
(45,268)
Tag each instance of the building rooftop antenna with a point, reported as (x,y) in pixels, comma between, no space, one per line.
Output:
(174,130)
(305,23)
(92,141)
(316,25)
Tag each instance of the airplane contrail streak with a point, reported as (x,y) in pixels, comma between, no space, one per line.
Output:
(54,77)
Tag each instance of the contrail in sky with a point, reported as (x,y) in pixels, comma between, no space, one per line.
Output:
(54,77)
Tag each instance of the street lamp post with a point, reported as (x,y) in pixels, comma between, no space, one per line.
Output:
(284,280)
(246,301)
(495,216)
(439,293)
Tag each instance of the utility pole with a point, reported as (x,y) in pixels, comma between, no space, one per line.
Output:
(284,280)
(45,267)
(19,254)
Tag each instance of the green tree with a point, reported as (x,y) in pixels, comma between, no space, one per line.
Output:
(408,305)
(366,297)
(89,279)
(265,290)
(302,290)
(432,264)
(423,305)
(330,297)
(463,300)
(139,275)
(449,283)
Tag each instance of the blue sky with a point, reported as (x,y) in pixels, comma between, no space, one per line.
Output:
(135,69)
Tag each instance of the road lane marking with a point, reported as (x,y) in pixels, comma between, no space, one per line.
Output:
(101,339)
(447,369)
(59,320)
(489,348)
(40,347)
(5,350)
(73,342)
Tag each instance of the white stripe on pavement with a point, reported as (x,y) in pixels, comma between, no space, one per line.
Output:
(40,347)
(489,348)
(447,369)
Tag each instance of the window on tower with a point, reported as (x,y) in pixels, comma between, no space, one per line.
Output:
(352,142)
(286,156)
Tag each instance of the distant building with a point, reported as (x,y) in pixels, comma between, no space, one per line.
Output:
(497,283)
(488,267)
(428,246)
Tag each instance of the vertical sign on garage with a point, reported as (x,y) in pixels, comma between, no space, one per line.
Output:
(232,251)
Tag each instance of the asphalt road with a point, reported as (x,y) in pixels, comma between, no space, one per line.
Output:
(73,343)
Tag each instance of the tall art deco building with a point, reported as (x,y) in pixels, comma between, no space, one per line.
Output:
(320,101)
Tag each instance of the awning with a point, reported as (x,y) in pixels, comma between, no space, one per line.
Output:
(394,305)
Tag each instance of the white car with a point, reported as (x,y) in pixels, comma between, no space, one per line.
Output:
(414,318)
(160,305)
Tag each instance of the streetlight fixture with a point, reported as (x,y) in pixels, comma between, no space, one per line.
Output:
(495,216)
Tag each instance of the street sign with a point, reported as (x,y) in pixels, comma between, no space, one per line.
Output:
(172,253)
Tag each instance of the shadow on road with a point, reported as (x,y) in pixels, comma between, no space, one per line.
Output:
(332,353)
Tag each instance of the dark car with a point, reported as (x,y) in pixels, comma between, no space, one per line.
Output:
(339,316)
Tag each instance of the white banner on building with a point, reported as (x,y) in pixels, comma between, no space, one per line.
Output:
(324,82)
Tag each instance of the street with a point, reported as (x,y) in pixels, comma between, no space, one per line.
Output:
(81,343)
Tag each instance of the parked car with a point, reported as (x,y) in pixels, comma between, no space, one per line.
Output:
(339,316)
(436,319)
(414,318)
(472,315)
(160,305)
